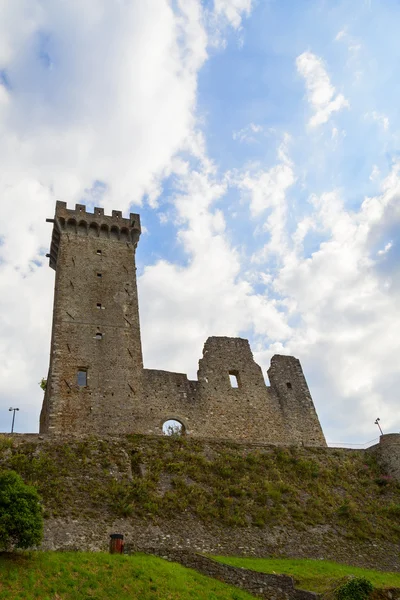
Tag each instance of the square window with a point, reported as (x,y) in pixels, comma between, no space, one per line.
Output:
(98,252)
(289,385)
(82,377)
(99,336)
(99,275)
(98,305)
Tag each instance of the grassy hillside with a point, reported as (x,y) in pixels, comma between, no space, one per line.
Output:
(227,484)
(312,575)
(81,576)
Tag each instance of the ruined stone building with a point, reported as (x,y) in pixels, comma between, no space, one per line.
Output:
(96,381)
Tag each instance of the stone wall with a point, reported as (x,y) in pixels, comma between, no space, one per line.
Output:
(181,494)
(262,585)
(96,381)
(388,454)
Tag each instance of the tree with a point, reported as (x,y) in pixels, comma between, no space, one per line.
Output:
(21,519)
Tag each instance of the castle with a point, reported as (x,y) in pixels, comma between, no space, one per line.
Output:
(97,383)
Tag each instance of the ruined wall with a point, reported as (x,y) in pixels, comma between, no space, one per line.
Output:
(96,335)
(388,454)
(298,411)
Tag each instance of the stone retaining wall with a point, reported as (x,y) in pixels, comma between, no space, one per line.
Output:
(262,585)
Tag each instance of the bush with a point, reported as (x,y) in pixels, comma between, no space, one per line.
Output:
(21,519)
(357,588)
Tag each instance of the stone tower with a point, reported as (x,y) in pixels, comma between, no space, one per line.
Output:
(94,377)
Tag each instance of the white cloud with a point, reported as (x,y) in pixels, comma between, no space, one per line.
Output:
(380,118)
(375,173)
(346,311)
(321,93)
(248,134)
(233,10)
(266,188)
(207,297)
(386,249)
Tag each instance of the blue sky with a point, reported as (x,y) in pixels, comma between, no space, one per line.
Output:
(260,143)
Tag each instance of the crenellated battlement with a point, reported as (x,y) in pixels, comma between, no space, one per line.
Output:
(79,221)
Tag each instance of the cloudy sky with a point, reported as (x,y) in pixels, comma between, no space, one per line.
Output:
(260,142)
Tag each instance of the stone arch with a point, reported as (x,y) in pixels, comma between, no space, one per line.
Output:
(61,222)
(114,233)
(104,231)
(71,225)
(174,426)
(82,228)
(94,230)
(124,234)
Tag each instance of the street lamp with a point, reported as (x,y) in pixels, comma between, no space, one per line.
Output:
(13,419)
(377,423)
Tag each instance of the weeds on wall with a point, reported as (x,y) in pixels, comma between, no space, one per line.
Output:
(156,478)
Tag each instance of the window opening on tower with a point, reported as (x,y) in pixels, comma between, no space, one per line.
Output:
(82,377)
(234,379)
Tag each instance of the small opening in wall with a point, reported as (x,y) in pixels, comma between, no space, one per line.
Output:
(82,377)
(173,428)
(98,305)
(98,252)
(99,275)
(289,385)
(99,336)
(234,379)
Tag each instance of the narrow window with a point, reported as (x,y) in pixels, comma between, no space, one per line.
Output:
(98,252)
(99,275)
(82,377)
(99,336)
(98,305)
(234,379)
(289,385)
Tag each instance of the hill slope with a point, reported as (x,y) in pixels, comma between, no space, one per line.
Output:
(79,576)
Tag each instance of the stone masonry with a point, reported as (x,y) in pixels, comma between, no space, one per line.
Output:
(96,381)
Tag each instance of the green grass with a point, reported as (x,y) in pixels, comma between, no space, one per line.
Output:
(82,576)
(312,575)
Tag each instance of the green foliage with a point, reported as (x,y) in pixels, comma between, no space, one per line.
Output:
(43,383)
(81,576)
(21,520)
(357,588)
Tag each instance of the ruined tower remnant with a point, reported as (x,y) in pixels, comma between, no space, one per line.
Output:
(96,381)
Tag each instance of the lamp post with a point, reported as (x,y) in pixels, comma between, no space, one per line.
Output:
(13,419)
(377,423)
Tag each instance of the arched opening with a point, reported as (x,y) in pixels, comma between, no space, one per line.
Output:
(94,230)
(114,234)
(104,231)
(71,225)
(82,228)
(173,428)
(124,234)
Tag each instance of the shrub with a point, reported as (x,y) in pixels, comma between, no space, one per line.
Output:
(357,588)
(21,519)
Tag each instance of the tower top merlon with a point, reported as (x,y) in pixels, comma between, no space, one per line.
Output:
(94,224)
